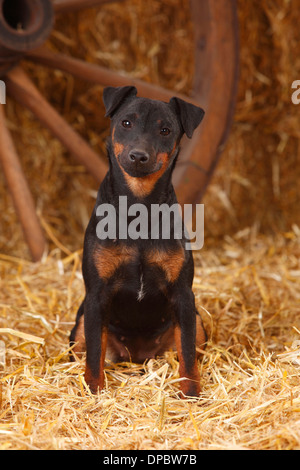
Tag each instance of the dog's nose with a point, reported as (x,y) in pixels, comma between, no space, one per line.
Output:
(137,156)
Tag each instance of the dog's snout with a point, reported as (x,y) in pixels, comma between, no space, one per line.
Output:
(139,157)
(138,161)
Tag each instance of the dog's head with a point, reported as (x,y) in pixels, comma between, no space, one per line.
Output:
(146,133)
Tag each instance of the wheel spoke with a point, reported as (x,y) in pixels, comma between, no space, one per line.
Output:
(23,90)
(102,75)
(20,192)
(62,6)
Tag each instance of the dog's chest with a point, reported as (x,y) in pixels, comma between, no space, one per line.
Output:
(126,267)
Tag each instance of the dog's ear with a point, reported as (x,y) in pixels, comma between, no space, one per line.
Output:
(189,115)
(114,97)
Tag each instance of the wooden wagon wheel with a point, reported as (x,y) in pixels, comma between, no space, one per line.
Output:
(24,27)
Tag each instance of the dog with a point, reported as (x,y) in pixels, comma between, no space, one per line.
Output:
(139,301)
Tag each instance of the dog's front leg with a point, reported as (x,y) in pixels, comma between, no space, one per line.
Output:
(96,339)
(186,336)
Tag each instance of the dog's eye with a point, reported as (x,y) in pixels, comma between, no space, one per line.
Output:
(165,131)
(127,124)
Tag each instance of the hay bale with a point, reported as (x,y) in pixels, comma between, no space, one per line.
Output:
(257,181)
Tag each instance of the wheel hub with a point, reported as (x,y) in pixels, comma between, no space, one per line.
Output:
(24,26)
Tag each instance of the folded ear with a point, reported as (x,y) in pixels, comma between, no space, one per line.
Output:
(114,97)
(189,115)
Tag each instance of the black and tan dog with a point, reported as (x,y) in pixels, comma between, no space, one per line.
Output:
(139,300)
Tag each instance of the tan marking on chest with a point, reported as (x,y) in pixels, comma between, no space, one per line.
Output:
(170,262)
(108,259)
